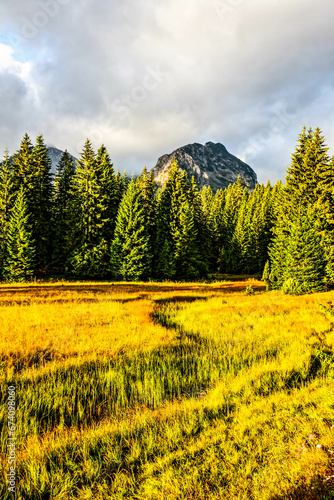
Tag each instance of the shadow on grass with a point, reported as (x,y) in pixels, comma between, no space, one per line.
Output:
(317,489)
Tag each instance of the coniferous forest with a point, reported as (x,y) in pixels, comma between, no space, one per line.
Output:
(87,221)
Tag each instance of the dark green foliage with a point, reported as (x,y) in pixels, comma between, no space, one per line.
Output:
(23,165)
(20,251)
(180,224)
(130,251)
(304,270)
(301,251)
(39,197)
(62,206)
(32,171)
(145,185)
(109,198)
(6,202)
(91,210)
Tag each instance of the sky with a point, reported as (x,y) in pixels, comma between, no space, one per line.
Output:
(145,77)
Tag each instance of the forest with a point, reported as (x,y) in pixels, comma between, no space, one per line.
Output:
(87,221)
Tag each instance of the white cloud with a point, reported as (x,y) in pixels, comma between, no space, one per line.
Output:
(230,63)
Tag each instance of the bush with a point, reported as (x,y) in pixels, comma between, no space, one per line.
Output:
(249,290)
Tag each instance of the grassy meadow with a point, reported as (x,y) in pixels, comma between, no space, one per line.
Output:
(168,391)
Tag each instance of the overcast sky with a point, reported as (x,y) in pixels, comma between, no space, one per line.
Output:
(145,77)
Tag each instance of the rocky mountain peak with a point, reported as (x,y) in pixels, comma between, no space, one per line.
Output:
(210,164)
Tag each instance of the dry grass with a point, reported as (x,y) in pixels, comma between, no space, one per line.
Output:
(168,391)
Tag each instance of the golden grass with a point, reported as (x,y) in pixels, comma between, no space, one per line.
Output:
(164,390)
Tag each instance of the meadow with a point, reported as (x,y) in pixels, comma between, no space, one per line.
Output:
(168,391)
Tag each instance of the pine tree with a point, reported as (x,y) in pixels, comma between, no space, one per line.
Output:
(90,254)
(218,227)
(306,190)
(187,258)
(305,265)
(23,165)
(32,171)
(39,194)
(20,251)
(207,213)
(169,201)
(178,209)
(236,195)
(108,196)
(145,185)
(203,241)
(6,202)
(266,275)
(130,251)
(62,210)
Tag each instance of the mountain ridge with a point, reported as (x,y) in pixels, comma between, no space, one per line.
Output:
(210,164)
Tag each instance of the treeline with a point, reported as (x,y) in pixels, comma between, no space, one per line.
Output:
(87,221)
(90,222)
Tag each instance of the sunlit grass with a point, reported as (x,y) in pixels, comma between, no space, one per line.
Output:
(164,390)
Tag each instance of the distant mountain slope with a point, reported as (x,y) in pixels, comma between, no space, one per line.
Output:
(55,154)
(210,164)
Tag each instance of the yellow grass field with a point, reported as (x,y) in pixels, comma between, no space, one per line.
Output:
(168,391)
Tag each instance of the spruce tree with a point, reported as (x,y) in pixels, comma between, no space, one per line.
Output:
(305,265)
(89,256)
(62,211)
(266,275)
(236,194)
(306,190)
(6,202)
(20,251)
(218,227)
(32,170)
(169,201)
(203,235)
(23,165)
(39,198)
(187,258)
(145,185)
(108,196)
(130,251)
(178,208)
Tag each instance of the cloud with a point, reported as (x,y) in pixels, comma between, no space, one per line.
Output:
(147,77)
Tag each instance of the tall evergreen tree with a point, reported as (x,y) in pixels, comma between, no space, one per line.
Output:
(90,250)
(145,185)
(108,197)
(176,212)
(236,195)
(6,202)
(130,251)
(188,261)
(202,230)
(39,198)
(20,251)
(62,210)
(23,165)
(305,266)
(306,189)
(32,171)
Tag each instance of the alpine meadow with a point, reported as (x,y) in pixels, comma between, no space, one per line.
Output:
(165,342)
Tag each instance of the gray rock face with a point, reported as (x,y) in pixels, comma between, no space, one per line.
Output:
(55,154)
(210,164)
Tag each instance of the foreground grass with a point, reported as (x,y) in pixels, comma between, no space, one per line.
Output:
(168,391)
